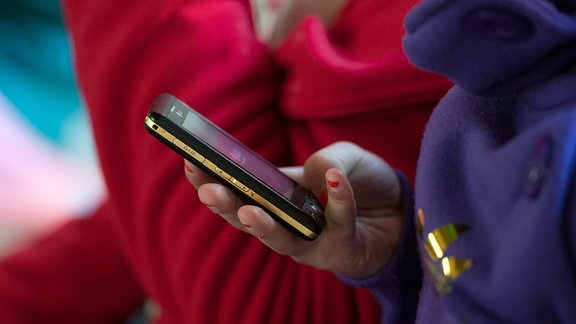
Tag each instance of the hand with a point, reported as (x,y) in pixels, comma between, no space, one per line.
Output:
(363,211)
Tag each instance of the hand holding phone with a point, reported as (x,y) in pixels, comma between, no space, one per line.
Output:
(363,219)
(239,168)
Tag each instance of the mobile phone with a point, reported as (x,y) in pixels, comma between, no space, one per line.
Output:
(238,167)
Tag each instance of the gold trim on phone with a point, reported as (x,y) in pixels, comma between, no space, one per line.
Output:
(226,177)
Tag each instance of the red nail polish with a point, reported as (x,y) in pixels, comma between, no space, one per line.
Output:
(247,226)
(333,183)
(187,168)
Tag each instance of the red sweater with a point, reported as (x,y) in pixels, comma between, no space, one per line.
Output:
(152,239)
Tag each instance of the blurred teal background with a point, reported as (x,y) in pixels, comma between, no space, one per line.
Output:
(36,65)
(48,169)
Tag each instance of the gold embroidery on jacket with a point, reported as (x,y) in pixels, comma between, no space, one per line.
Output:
(441,270)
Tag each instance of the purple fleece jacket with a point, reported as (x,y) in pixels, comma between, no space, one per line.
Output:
(494,231)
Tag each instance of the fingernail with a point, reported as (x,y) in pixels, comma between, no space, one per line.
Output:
(333,183)
(247,226)
(187,168)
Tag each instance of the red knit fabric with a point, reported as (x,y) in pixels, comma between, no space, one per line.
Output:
(153,239)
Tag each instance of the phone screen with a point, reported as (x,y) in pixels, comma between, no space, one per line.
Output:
(233,150)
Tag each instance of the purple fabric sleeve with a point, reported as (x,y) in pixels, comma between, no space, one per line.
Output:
(397,286)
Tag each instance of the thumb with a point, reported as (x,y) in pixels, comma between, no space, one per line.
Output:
(340,211)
